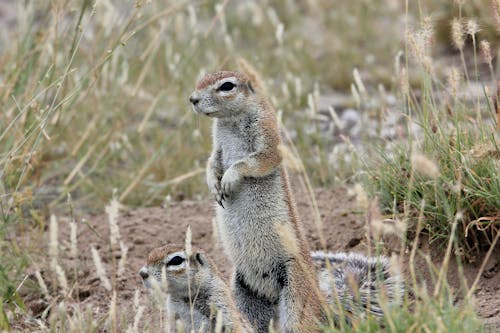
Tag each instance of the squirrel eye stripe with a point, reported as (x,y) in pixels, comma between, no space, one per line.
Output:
(226,86)
(175,261)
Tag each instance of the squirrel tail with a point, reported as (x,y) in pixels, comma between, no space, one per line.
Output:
(358,283)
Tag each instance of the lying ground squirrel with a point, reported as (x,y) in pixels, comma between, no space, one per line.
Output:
(359,282)
(352,281)
(197,292)
(256,216)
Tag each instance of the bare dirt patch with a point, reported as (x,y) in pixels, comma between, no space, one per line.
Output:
(145,228)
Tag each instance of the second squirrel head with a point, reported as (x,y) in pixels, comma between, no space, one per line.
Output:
(170,266)
(223,94)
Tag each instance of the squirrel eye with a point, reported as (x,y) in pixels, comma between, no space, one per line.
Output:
(226,86)
(175,261)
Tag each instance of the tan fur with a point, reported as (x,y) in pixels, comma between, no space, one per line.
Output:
(210,79)
(268,158)
(304,281)
(161,252)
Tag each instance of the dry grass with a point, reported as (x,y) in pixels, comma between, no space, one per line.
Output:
(452,166)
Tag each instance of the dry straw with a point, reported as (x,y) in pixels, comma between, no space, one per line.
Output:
(42,284)
(454,78)
(444,266)
(169,315)
(218,322)
(53,241)
(355,95)
(123,259)
(73,239)
(139,311)
(112,313)
(359,83)
(253,75)
(188,247)
(288,239)
(101,271)
(137,299)
(292,162)
(280,32)
(137,319)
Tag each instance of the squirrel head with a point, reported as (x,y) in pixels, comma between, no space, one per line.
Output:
(223,94)
(170,268)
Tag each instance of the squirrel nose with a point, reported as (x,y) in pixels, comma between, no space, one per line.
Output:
(194,100)
(144,274)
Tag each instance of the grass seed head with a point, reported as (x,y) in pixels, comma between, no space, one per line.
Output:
(389,227)
(495,6)
(472,28)
(61,278)
(485,48)
(101,271)
(425,166)
(361,197)
(404,82)
(114,232)
(457,33)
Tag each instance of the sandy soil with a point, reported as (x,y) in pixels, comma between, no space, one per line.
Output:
(145,228)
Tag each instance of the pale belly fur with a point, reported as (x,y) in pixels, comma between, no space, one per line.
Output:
(247,227)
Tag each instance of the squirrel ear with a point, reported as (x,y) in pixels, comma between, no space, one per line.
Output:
(249,85)
(199,258)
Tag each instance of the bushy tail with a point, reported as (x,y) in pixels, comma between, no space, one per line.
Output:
(356,283)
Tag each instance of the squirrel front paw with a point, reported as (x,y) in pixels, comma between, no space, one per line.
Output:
(230,182)
(213,183)
(214,186)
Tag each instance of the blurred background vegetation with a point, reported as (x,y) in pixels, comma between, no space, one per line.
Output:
(94,96)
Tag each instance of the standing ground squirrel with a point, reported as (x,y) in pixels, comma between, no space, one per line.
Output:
(195,289)
(256,215)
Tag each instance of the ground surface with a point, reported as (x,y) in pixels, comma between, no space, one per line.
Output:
(145,228)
